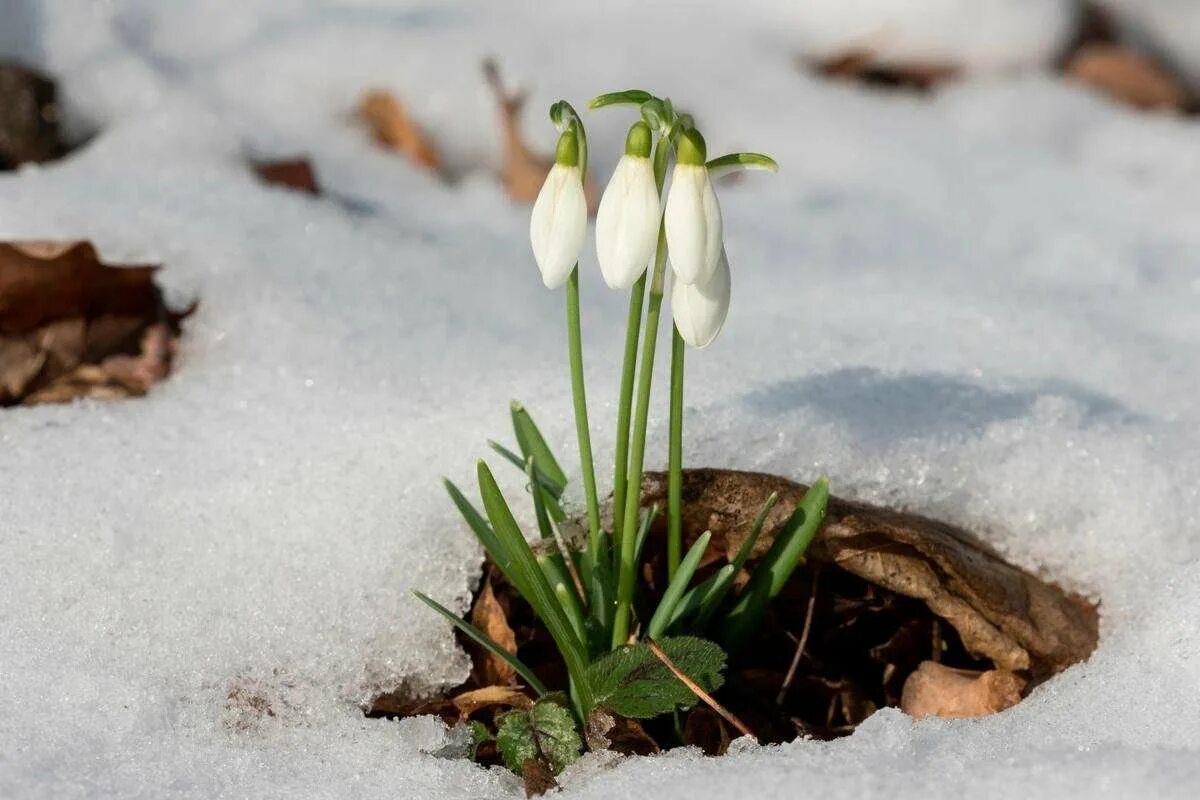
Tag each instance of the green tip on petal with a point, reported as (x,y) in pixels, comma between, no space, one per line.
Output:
(690,149)
(567,153)
(639,140)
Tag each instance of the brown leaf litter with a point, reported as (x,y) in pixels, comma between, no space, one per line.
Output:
(523,171)
(29,117)
(1127,76)
(394,128)
(935,690)
(72,326)
(289,173)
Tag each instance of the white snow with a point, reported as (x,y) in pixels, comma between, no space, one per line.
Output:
(981,305)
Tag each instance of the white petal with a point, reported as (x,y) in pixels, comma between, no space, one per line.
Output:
(627,222)
(693,221)
(558,224)
(699,309)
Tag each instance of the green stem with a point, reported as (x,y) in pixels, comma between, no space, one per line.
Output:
(582,430)
(633,330)
(627,549)
(675,458)
(633,482)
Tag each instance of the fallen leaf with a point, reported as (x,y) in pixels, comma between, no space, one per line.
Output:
(292,173)
(392,127)
(488,615)
(72,326)
(1001,612)
(863,64)
(29,130)
(538,778)
(470,702)
(523,171)
(934,690)
(1127,76)
(705,729)
(608,731)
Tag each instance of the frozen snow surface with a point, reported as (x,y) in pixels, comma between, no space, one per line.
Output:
(981,305)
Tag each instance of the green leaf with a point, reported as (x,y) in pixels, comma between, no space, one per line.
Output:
(532,443)
(677,586)
(479,735)
(633,682)
(545,732)
(483,531)
(536,590)
(628,97)
(777,565)
(486,641)
(700,597)
(554,489)
(713,601)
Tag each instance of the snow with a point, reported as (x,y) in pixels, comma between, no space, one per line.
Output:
(980,305)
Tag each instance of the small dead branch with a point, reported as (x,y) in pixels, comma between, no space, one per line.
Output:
(699,692)
(808,618)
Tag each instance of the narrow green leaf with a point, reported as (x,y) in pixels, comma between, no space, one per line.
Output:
(532,443)
(643,533)
(545,732)
(486,641)
(633,682)
(628,97)
(721,591)
(777,565)
(555,490)
(483,531)
(540,594)
(699,597)
(677,586)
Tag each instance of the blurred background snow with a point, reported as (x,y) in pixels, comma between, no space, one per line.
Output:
(977,302)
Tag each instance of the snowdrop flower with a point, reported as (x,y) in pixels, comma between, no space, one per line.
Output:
(559,221)
(699,309)
(627,221)
(693,215)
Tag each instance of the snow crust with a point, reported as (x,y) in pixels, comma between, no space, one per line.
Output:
(980,305)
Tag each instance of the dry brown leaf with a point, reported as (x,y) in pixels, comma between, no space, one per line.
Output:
(1128,76)
(29,131)
(468,703)
(935,690)
(863,64)
(488,615)
(523,171)
(1001,612)
(291,173)
(608,731)
(72,326)
(539,779)
(705,729)
(392,127)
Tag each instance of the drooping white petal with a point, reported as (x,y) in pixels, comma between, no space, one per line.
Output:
(693,222)
(627,222)
(558,224)
(699,309)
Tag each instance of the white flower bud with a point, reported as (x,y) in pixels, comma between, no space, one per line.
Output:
(699,309)
(558,224)
(627,222)
(693,215)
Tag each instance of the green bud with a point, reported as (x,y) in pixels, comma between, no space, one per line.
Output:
(567,153)
(690,149)
(637,142)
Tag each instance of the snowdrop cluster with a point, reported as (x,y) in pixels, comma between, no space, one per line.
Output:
(629,221)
